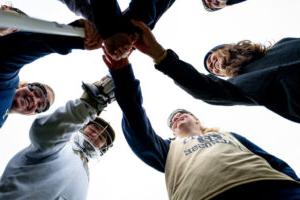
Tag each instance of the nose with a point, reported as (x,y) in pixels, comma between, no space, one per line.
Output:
(176,117)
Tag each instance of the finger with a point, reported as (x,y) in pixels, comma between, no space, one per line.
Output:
(105,50)
(122,51)
(106,61)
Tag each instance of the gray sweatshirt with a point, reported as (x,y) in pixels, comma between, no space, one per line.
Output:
(48,168)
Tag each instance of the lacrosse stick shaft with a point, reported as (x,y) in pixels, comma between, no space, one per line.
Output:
(24,23)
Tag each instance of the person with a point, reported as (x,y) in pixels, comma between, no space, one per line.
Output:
(55,164)
(214,5)
(29,47)
(199,163)
(258,75)
(13,10)
(113,25)
(118,32)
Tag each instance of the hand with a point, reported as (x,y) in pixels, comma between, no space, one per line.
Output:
(114,64)
(147,42)
(119,45)
(99,94)
(92,39)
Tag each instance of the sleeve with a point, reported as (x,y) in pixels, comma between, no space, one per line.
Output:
(148,11)
(108,18)
(283,41)
(232,2)
(50,133)
(137,129)
(21,48)
(275,162)
(208,88)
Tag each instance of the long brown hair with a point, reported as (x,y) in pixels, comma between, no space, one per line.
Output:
(240,54)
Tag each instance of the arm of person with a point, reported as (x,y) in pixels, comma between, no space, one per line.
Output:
(275,162)
(20,48)
(141,137)
(208,88)
(147,11)
(232,2)
(51,132)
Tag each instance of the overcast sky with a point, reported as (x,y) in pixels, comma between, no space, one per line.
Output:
(190,31)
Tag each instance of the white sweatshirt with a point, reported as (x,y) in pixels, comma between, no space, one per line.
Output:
(48,168)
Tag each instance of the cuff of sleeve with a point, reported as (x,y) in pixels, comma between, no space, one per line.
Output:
(161,58)
(90,109)
(169,57)
(122,76)
(78,43)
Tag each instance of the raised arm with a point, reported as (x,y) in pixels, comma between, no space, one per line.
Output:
(21,48)
(147,11)
(208,88)
(51,132)
(275,162)
(141,137)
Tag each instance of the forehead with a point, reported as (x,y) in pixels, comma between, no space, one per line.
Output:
(179,113)
(95,126)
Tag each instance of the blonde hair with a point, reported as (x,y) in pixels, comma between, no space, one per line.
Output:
(207,130)
(240,54)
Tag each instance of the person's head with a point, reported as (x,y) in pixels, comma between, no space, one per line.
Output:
(10,9)
(213,5)
(32,98)
(95,138)
(226,60)
(184,123)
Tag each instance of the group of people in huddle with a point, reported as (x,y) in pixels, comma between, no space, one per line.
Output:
(199,163)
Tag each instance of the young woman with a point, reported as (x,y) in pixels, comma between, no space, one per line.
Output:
(258,75)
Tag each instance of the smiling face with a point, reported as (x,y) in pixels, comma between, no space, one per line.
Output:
(217,62)
(32,98)
(185,124)
(212,5)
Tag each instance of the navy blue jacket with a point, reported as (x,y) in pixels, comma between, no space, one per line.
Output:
(21,48)
(109,18)
(231,2)
(144,141)
(272,81)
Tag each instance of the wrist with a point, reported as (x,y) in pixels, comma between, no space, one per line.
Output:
(161,54)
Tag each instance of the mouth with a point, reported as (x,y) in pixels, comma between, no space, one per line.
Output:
(92,135)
